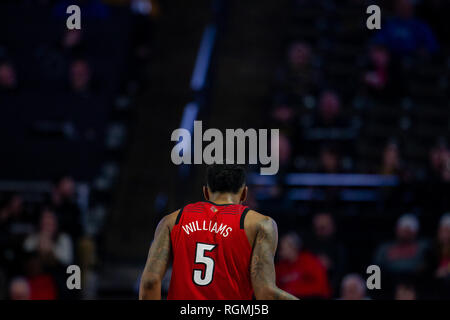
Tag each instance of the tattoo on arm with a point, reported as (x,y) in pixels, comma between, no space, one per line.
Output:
(157,263)
(262,269)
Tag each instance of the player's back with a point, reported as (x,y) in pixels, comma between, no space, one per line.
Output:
(211,253)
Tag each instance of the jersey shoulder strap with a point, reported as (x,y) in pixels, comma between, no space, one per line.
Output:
(244,213)
(179,216)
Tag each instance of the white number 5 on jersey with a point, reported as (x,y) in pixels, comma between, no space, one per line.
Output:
(199,277)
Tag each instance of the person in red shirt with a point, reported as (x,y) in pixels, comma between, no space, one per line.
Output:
(42,285)
(220,249)
(299,272)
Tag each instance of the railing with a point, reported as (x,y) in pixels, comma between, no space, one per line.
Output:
(198,85)
(312,186)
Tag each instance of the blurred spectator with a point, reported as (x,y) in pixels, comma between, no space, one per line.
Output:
(63,202)
(329,161)
(404,291)
(300,272)
(406,255)
(298,77)
(283,114)
(299,56)
(80,76)
(19,289)
(435,195)
(439,162)
(378,76)
(391,163)
(381,77)
(329,111)
(54,247)
(144,7)
(353,287)
(12,214)
(443,249)
(438,286)
(12,209)
(327,247)
(14,227)
(72,42)
(8,77)
(42,284)
(405,35)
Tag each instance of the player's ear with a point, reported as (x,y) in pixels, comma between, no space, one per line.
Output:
(206,193)
(244,194)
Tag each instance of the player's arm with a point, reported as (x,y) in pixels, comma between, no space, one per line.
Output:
(262,268)
(157,261)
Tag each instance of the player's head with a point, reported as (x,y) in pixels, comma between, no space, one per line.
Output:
(225,179)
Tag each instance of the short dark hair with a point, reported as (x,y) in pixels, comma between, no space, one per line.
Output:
(225,177)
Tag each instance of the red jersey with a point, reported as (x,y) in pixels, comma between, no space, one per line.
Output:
(304,278)
(211,253)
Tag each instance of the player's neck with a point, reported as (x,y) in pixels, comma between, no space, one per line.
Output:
(224,198)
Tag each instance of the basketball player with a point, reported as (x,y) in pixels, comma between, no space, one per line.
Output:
(220,249)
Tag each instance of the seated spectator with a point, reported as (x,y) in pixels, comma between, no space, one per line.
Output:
(329,111)
(14,227)
(439,158)
(283,115)
(8,77)
(353,287)
(63,202)
(329,160)
(405,35)
(13,215)
(298,77)
(377,77)
(19,289)
(326,247)
(54,248)
(439,267)
(406,255)
(405,291)
(11,208)
(443,249)
(143,7)
(42,284)
(381,77)
(391,163)
(72,43)
(80,77)
(300,272)
(437,187)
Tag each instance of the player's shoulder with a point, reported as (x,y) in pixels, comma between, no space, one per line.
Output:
(170,219)
(255,220)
